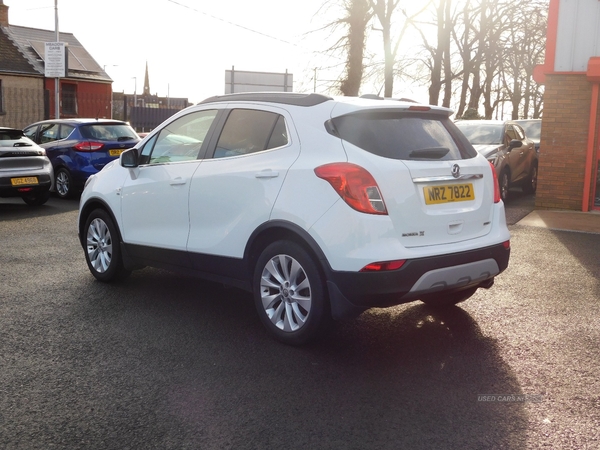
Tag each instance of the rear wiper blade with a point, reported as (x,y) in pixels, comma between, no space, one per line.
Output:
(124,138)
(430,153)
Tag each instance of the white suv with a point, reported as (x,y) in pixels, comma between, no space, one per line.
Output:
(322,207)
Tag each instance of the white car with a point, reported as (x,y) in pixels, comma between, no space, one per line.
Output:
(322,207)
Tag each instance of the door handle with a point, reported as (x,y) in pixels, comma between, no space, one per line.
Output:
(178,181)
(268,173)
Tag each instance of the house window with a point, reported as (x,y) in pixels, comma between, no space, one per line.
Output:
(69,99)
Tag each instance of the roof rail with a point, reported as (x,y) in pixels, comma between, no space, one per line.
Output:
(287,98)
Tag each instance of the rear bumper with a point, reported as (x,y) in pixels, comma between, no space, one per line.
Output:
(8,190)
(353,292)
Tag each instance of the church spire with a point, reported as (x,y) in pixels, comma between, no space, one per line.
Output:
(146,82)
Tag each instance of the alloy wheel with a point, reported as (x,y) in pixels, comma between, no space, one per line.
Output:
(99,245)
(285,293)
(62,183)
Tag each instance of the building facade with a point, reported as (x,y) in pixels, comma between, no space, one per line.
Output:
(569,170)
(26,95)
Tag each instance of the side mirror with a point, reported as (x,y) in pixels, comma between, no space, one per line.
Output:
(515,143)
(130,158)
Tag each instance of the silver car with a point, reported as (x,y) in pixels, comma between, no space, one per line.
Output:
(25,170)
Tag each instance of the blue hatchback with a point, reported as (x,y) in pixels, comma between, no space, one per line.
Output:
(79,148)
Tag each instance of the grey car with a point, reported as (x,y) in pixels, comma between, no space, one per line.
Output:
(505,145)
(25,170)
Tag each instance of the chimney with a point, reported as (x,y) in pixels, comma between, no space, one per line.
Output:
(3,14)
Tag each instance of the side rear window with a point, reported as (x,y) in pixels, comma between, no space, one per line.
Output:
(248,131)
(404,136)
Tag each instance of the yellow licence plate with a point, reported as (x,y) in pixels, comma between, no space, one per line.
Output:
(23,180)
(115,152)
(448,193)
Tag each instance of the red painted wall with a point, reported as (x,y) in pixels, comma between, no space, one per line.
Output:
(93,99)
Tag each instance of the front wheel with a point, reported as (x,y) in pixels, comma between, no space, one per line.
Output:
(102,250)
(290,294)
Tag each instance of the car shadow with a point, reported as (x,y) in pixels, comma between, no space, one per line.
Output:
(404,377)
(16,209)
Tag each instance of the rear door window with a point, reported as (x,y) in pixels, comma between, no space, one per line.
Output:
(402,135)
(249,131)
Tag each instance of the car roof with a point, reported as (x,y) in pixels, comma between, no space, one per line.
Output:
(342,104)
(82,121)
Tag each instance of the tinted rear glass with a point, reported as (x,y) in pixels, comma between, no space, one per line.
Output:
(108,132)
(405,136)
(10,135)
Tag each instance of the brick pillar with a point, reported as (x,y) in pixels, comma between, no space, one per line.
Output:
(563,144)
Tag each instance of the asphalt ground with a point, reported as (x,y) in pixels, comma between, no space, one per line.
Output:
(162,361)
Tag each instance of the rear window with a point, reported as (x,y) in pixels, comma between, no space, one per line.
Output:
(10,135)
(108,132)
(398,135)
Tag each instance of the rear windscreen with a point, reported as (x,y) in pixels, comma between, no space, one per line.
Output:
(398,135)
(108,132)
(10,135)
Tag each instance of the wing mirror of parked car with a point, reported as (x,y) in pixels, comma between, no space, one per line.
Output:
(515,143)
(130,158)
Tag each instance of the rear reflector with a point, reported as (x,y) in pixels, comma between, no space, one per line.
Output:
(506,244)
(383,266)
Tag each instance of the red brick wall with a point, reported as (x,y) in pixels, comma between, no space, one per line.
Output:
(563,144)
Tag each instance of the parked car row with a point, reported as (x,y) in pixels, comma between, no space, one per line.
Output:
(321,207)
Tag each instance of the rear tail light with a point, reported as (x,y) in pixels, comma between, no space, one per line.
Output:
(88,146)
(496,185)
(383,266)
(355,185)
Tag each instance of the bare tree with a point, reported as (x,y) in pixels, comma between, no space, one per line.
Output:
(358,16)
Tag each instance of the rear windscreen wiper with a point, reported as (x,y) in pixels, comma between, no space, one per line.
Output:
(430,153)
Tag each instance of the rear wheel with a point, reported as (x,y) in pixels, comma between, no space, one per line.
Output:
(290,294)
(530,184)
(37,198)
(102,247)
(64,183)
(443,300)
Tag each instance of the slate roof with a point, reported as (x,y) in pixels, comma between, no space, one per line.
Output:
(11,59)
(30,45)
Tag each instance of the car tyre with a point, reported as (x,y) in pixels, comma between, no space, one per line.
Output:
(530,184)
(290,294)
(102,247)
(504,185)
(63,183)
(37,198)
(445,300)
